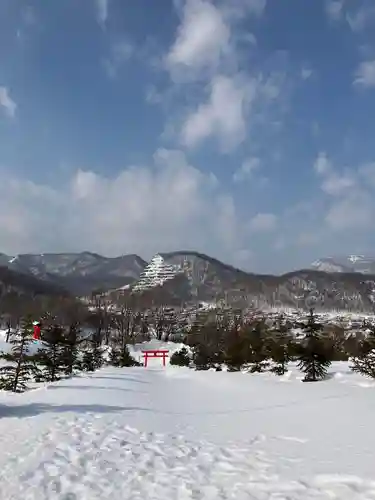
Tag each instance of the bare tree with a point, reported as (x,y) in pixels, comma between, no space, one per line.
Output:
(99,319)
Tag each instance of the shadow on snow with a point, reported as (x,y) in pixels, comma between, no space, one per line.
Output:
(91,387)
(122,379)
(34,409)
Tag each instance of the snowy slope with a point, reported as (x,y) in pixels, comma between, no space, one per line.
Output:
(341,264)
(178,434)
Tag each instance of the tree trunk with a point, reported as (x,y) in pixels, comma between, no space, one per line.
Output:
(18,367)
(8,332)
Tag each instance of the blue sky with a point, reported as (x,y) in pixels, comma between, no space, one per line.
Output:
(238,128)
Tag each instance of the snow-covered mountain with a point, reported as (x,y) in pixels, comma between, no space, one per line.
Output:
(79,272)
(191,277)
(346,264)
(24,287)
(187,276)
(83,264)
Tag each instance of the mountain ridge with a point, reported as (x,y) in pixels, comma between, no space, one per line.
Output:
(15,284)
(202,278)
(195,276)
(79,272)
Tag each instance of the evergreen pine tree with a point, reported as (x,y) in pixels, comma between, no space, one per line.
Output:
(119,354)
(368,343)
(114,356)
(315,358)
(180,358)
(280,347)
(92,358)
(121,357)
(237,349)
(88,362)
(98,353)
(364,362)
(202,357)
(22,367)
(208,346)
(259,355)
(125,358)
(70,354)
(51,355)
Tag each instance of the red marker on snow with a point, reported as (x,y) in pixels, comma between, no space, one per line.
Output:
(37,330)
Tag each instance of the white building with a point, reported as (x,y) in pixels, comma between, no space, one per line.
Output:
(156,273)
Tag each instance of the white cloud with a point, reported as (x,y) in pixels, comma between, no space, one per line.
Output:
(209,50)
(359,15)
(223,115)
(248,38)
(263,222)
(84,184)
(334,9)
(120,52)
(270,88)
(243,257)
(169,205)
(206,37)
(7,102)
(365,74)
(350,203)
(362,18)
(227,112)
(322,164)
(355,212)
(246,171)
(367,173)
(306,73)
(307,238)
(202,40)
(334,183)
(101,11)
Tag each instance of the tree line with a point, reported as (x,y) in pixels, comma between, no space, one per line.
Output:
(257,346)
(77,337)
(64,352)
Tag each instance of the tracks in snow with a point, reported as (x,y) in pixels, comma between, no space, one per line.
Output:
(96,456)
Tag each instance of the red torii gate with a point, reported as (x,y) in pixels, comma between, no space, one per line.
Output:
(155,353)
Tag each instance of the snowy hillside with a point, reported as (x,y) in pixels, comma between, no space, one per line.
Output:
(179,434)
(346,264)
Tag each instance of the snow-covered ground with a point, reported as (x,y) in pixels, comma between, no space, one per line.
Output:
(175,433)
